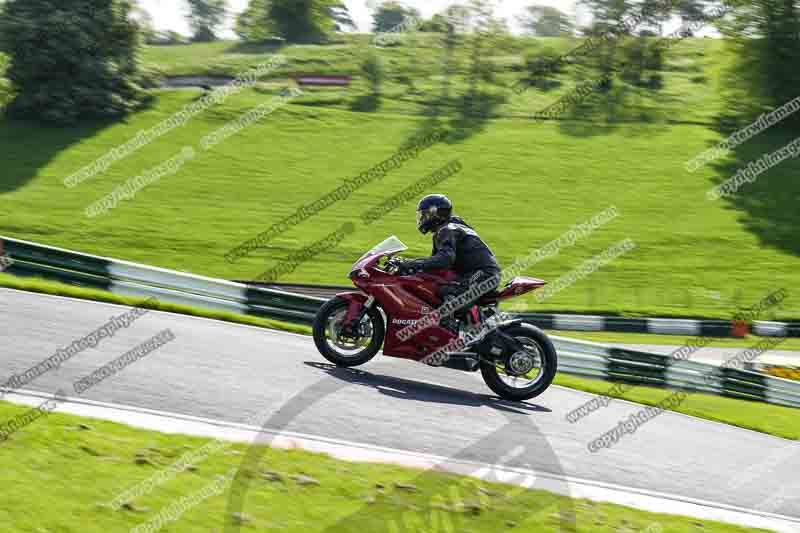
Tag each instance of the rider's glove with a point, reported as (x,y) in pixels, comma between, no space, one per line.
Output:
(407,268)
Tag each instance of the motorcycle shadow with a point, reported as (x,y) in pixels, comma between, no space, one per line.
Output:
(407,389)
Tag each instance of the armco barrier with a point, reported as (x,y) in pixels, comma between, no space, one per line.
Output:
(132,279)
(643,368)
(573,322)
(660,326)
(575,357)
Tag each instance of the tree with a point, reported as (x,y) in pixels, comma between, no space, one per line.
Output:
(486,33)
(293,20)
(765,37)
(71,59)
(459,16)
(545,21)
(252,24)
(205,18)
(690,10)
(390,15)
(541,67)
(652,14)
(306,20)
(144,20)
(642,62)
(436,24)
(5,85)
(608,14)
(341,17)
(374,72)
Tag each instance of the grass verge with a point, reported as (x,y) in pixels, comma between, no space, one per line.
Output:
(65,470)
(763,417)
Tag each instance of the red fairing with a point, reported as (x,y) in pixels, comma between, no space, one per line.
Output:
(409,300)
(516,287)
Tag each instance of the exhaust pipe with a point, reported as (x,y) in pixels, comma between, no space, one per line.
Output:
(464,361)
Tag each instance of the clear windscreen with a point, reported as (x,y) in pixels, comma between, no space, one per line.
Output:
(392,245)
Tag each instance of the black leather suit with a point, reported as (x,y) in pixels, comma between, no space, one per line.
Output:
(456,245)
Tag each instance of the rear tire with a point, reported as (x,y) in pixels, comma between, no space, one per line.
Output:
(326,318)
(549,364)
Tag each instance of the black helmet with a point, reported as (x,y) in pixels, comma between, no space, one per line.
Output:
(432,211)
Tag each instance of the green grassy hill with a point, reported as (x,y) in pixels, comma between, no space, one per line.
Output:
(522,184)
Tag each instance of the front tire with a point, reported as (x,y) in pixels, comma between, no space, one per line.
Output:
(545,363)
(347,351)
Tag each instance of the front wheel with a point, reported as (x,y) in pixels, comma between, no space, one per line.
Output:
(526,373)
(347,348)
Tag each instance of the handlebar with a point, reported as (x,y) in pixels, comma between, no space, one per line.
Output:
(392,266)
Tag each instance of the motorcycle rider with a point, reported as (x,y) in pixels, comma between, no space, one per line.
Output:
(455,245)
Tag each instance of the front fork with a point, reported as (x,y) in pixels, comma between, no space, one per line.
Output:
(357,309)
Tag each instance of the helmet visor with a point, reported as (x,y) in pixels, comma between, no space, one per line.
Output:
(425,216)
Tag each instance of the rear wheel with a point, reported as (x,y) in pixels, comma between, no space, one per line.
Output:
(526,373)
(347,348)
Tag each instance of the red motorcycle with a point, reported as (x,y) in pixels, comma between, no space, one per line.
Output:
(516,359)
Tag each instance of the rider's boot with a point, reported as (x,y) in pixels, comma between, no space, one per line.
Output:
(450,324)
(449,321)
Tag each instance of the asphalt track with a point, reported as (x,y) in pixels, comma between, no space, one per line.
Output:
(238,373)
